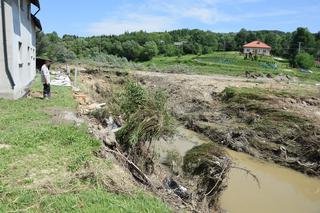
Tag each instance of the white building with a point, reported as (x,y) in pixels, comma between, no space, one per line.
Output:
(18,47)
(257,48)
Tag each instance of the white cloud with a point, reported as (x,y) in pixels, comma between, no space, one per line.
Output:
(129,23)
(160,15)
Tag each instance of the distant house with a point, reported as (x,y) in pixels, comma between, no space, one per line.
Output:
(18,46)
(256,48)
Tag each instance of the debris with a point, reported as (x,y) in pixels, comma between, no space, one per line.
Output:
(134,169)
(60,79)
(95,106)
(305,70)
(179,190)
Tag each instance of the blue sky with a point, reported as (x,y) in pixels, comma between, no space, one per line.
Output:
(96,17)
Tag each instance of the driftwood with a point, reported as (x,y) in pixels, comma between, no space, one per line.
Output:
(249,173)
(218,181)
(137,173)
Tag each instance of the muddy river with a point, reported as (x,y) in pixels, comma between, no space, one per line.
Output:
(281,189)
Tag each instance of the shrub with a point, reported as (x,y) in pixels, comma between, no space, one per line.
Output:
(132,98)
(146,113)
(304,60)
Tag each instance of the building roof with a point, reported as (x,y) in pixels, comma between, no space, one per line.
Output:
(257,44)
(36,22)
(36,3)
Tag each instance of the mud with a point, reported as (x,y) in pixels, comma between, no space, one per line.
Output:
(192,192)
(280,124)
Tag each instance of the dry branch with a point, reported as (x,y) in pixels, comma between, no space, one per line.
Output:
(249,173)
(143,178)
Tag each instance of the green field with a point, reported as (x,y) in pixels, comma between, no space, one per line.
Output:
(229,63)
(42,161)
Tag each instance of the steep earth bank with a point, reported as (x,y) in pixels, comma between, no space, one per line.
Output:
(274,120)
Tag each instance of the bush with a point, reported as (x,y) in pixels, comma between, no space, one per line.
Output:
(146,115)
(304,60)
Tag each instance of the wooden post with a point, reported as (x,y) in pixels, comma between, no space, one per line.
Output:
(68,70)
(75,76)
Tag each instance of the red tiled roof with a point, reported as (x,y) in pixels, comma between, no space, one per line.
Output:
(257,44)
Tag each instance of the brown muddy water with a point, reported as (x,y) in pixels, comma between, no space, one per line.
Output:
(281,189)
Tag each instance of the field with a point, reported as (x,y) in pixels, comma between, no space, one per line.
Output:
(229,63)
(48,165)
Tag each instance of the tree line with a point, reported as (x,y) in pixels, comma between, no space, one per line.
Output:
(143,46)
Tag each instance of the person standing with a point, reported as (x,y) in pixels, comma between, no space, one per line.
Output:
(45,79)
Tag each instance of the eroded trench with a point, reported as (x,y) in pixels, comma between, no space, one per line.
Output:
(279,189)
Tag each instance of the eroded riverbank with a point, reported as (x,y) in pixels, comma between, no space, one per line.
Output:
(203,104)
(281,189)
(275,121)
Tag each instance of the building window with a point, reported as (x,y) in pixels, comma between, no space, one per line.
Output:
(22,5)
(20,54)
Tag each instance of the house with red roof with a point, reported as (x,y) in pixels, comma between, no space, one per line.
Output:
(256,48)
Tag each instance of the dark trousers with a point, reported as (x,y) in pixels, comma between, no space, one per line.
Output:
(46,90)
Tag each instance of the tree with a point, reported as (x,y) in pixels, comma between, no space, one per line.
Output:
(241,38)
(150,49)
(60,53)
(273,40)
(116,48)
(42,43)
(304,60)
(131,50)
(306,40)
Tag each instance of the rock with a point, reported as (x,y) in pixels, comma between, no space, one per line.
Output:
(109,142)
(5,146)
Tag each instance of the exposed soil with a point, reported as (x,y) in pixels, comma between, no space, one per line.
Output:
(61,115)
(278,125)
(273,125)
(180,191)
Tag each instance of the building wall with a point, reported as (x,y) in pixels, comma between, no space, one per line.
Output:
(21,44)
(259,51)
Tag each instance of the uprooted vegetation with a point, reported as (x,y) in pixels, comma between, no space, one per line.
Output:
(147,119)
(274,121)
(261,128)
(139,117)
(209,167)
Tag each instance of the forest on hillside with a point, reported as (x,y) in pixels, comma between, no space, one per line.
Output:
(143,46)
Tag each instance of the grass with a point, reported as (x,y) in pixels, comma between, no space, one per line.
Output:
(195,158)
(230,63)
(38,172)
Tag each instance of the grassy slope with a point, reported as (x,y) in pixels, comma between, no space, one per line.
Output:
(230,63)
(37,173)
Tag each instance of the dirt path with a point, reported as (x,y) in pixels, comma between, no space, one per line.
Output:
(218,82)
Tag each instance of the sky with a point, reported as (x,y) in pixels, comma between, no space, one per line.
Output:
(106,17)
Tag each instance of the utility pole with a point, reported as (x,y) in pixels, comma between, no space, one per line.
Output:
(299,46)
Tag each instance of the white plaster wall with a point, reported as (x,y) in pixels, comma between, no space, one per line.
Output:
(259,51)
(4,82)
(22,62)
